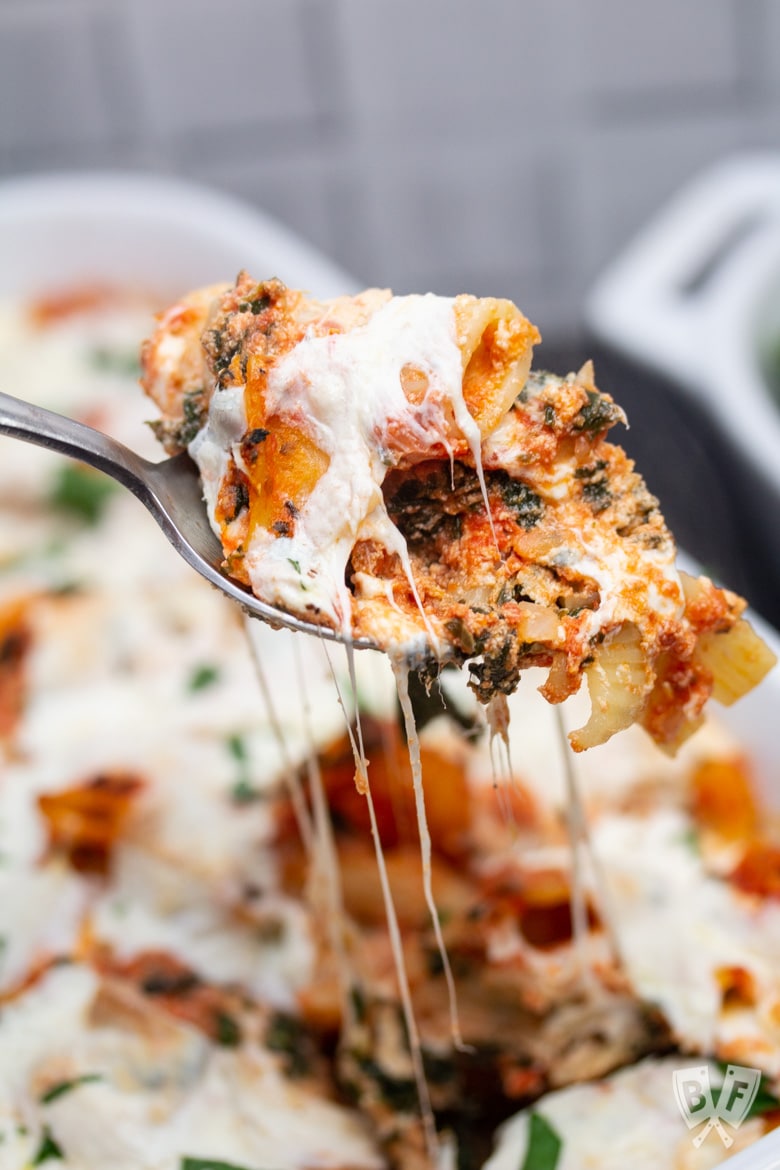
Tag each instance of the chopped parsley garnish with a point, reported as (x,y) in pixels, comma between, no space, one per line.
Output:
(237,747)
(544,1145)
(82,491)
(210,1164)
(63,1087)
(203,676)
(47,1149)
(115,361)
(243,791)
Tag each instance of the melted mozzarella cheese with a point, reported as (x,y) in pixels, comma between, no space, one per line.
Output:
(630,1119)
(214,443)
(345,390)
(143,1096)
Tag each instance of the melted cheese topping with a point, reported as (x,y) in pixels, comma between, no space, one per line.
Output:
(345,391)
(109,683)
(628,1119)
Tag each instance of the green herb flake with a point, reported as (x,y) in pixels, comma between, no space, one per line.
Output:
(203,676)
(295,564)
(244,792)
(47,1149)
(210,1164)
(63,1087)
(108,360)
(544,1145)
(236,745)
(194,410)
(81,491)
(227,1031)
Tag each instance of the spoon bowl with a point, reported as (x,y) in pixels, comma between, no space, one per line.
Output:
(170,491)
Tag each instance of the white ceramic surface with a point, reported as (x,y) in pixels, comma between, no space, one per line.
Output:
(689,299)
(165,234)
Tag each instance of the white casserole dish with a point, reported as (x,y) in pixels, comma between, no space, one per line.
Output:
(681,323)
(170,236)
(164,234)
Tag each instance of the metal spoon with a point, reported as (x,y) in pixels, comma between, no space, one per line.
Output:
(170,490)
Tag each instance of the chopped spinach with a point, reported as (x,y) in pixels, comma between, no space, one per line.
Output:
(597,494)
(194,410)
(259,304)
(227,1032)
(287,1035)
(595,485)
(399,1093)
(358,1001)
(598,414)
(526,505)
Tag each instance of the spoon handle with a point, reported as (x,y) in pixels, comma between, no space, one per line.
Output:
(45,428)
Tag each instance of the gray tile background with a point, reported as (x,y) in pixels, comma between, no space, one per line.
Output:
(502,146)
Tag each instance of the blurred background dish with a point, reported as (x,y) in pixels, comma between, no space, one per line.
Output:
(686,326)
(160,235)
(87,259)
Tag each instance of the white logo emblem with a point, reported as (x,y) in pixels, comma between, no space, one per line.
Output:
(731,1105)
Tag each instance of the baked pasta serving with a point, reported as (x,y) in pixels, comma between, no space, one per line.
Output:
(388,467)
